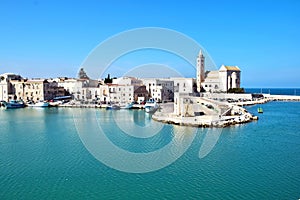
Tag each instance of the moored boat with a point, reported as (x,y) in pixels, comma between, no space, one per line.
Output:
(12,104)
(151,106)
(260,110)
(42,104)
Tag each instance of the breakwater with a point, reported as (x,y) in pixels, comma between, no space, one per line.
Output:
(283,97)
(205,113)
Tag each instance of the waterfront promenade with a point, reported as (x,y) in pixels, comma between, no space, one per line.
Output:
(283,97)
(80,105)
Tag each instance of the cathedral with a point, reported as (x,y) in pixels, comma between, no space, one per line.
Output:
(227,77)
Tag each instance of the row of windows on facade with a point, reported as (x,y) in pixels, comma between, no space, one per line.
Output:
(127,95)
(216,86)
(164,84)
(26,93)
(104,92)
(183,84)
(114,89)
(37,92)
(154,90)
(31,86)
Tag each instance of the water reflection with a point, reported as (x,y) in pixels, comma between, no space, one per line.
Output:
(116,140)
(136,123)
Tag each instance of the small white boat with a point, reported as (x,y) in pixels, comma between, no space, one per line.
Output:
(39,104)
(14,104)
(55,103)
(151,106)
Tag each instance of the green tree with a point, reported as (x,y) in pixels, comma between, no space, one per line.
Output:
(108,79)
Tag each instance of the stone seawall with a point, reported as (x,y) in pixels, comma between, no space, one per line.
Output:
(227,96)
(237,115)
(249,96)
(66,105)
(283,97)
(204,121)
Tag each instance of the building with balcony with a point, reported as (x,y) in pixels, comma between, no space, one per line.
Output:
(36,89)
(7,89)
(119,94)
(159,89)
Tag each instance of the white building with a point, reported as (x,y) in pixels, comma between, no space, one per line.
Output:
(160,89)
(230,77)
(72,86)
(182,104)
(90,89)
(104,96)
(139,90)
(7,91)
(184,85)
(163,89)
(227,77)
(80,89)
(127,81)
(119,94)
(212,82)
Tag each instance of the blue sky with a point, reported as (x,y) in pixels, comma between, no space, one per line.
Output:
(52,38)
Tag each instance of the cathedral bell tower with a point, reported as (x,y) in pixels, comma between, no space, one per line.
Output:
(200,70)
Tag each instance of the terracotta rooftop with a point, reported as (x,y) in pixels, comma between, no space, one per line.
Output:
(232,68)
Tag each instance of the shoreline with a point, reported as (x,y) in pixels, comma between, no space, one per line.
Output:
(222,114)
(134,107)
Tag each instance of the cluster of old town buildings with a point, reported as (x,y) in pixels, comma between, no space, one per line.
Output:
(118,90)
(121,90)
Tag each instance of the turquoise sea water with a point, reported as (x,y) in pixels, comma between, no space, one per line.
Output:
(42,157)
(274,91)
